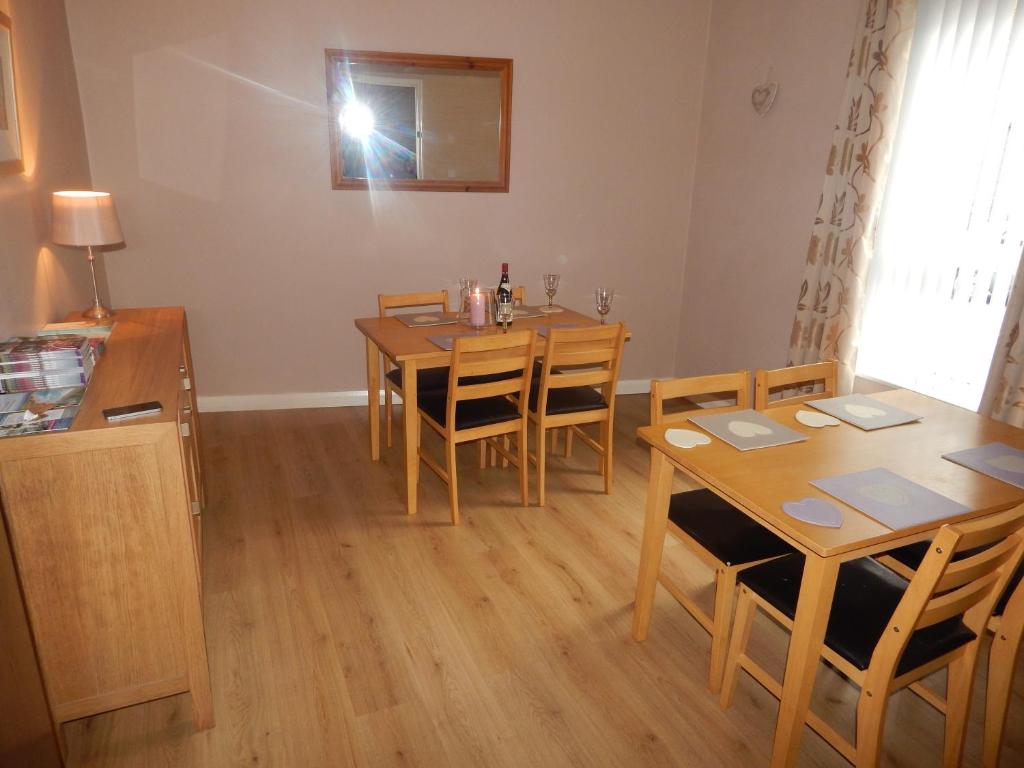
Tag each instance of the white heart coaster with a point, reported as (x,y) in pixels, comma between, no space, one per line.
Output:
(686,438)
(425,319)
(863,411)
(748,429)
(814,511)
(816,419)
(1009,462)
(884,493)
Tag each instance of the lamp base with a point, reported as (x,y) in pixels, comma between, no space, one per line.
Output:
(96,312)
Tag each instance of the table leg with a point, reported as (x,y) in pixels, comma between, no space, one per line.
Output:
(659,487)
(817,588)
(411,421)
(373,395)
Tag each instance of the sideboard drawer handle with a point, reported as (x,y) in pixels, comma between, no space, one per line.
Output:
(185,430)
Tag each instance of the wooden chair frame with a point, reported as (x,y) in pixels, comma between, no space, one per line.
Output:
(719,624)
(386,301)
(579,357)
(940,589)
(484,356)
(1007,631)
(765,381)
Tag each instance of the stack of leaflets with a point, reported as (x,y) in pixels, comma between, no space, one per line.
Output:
(45,410)
(97,331)
(45,362)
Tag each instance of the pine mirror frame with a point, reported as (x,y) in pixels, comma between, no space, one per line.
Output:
(337,56)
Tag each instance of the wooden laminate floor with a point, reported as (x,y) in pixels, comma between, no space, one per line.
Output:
(343,633)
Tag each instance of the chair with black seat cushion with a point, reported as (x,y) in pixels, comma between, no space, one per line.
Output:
(576,360)
(1007,627)
(475,409)
(885,632)
(798,384)
(428,379)
(725,538)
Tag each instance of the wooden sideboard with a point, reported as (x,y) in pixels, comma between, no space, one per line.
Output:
(105,530)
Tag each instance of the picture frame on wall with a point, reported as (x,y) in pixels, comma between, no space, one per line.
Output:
(11,160)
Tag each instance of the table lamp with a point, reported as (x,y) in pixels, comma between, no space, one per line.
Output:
(86,219)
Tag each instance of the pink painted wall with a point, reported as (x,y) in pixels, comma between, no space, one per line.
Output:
(40,282)
(758,179)
(207,121)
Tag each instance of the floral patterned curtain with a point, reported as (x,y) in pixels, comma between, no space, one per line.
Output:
(832,293)
(1003,399)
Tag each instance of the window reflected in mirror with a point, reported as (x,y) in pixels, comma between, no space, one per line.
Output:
(417,121)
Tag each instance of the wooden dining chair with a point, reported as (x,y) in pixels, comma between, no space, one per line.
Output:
(823,377)
(474,408)
(1007,627)
(723,537)
(576,360)
(885,632)
(429,379)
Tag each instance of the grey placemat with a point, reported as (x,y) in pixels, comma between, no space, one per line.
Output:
(447,341)
(863,411)
(889,498)
(998,460)
(427,319)
(747,430)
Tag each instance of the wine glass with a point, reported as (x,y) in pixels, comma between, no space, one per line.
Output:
(550,288)
(466,286)
(603,298)
(505,310)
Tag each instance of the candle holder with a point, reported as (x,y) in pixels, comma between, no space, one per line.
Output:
(478,302)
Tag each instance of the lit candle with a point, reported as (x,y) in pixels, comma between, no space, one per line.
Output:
(476,308)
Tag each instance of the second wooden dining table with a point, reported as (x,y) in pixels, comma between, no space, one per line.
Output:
(759,481)
(413,351)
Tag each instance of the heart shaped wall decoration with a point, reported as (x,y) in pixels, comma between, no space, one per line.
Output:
(763,96)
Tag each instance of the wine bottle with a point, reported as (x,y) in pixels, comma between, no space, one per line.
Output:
(504,285)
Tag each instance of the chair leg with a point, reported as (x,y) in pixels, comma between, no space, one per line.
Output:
(959,682)
(453,483)
(725,595)
(554,441)
(606,457)
(524,465)
(482,445)
(388,416)
(541,460)
(507,445)
(1002,661)
(871,710)
(568,442)
(745,609)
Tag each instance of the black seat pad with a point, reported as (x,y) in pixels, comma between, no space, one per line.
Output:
(867,594)
(468,413)
(912,554)
(569,400)
(427,380)
(723,530)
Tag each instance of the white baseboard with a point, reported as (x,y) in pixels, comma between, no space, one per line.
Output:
(352,397)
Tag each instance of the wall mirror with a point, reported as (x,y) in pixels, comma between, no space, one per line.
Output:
(419,121)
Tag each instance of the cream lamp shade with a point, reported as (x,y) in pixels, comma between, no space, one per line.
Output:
(85,218)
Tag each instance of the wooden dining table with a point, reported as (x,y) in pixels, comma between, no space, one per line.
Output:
(413,351)
(759,481)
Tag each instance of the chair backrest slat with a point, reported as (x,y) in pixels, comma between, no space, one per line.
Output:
(597,348)
(579,379)
(825,374)
(386,301)
(925,603)
(734,386)
(969,569)
(498,353)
